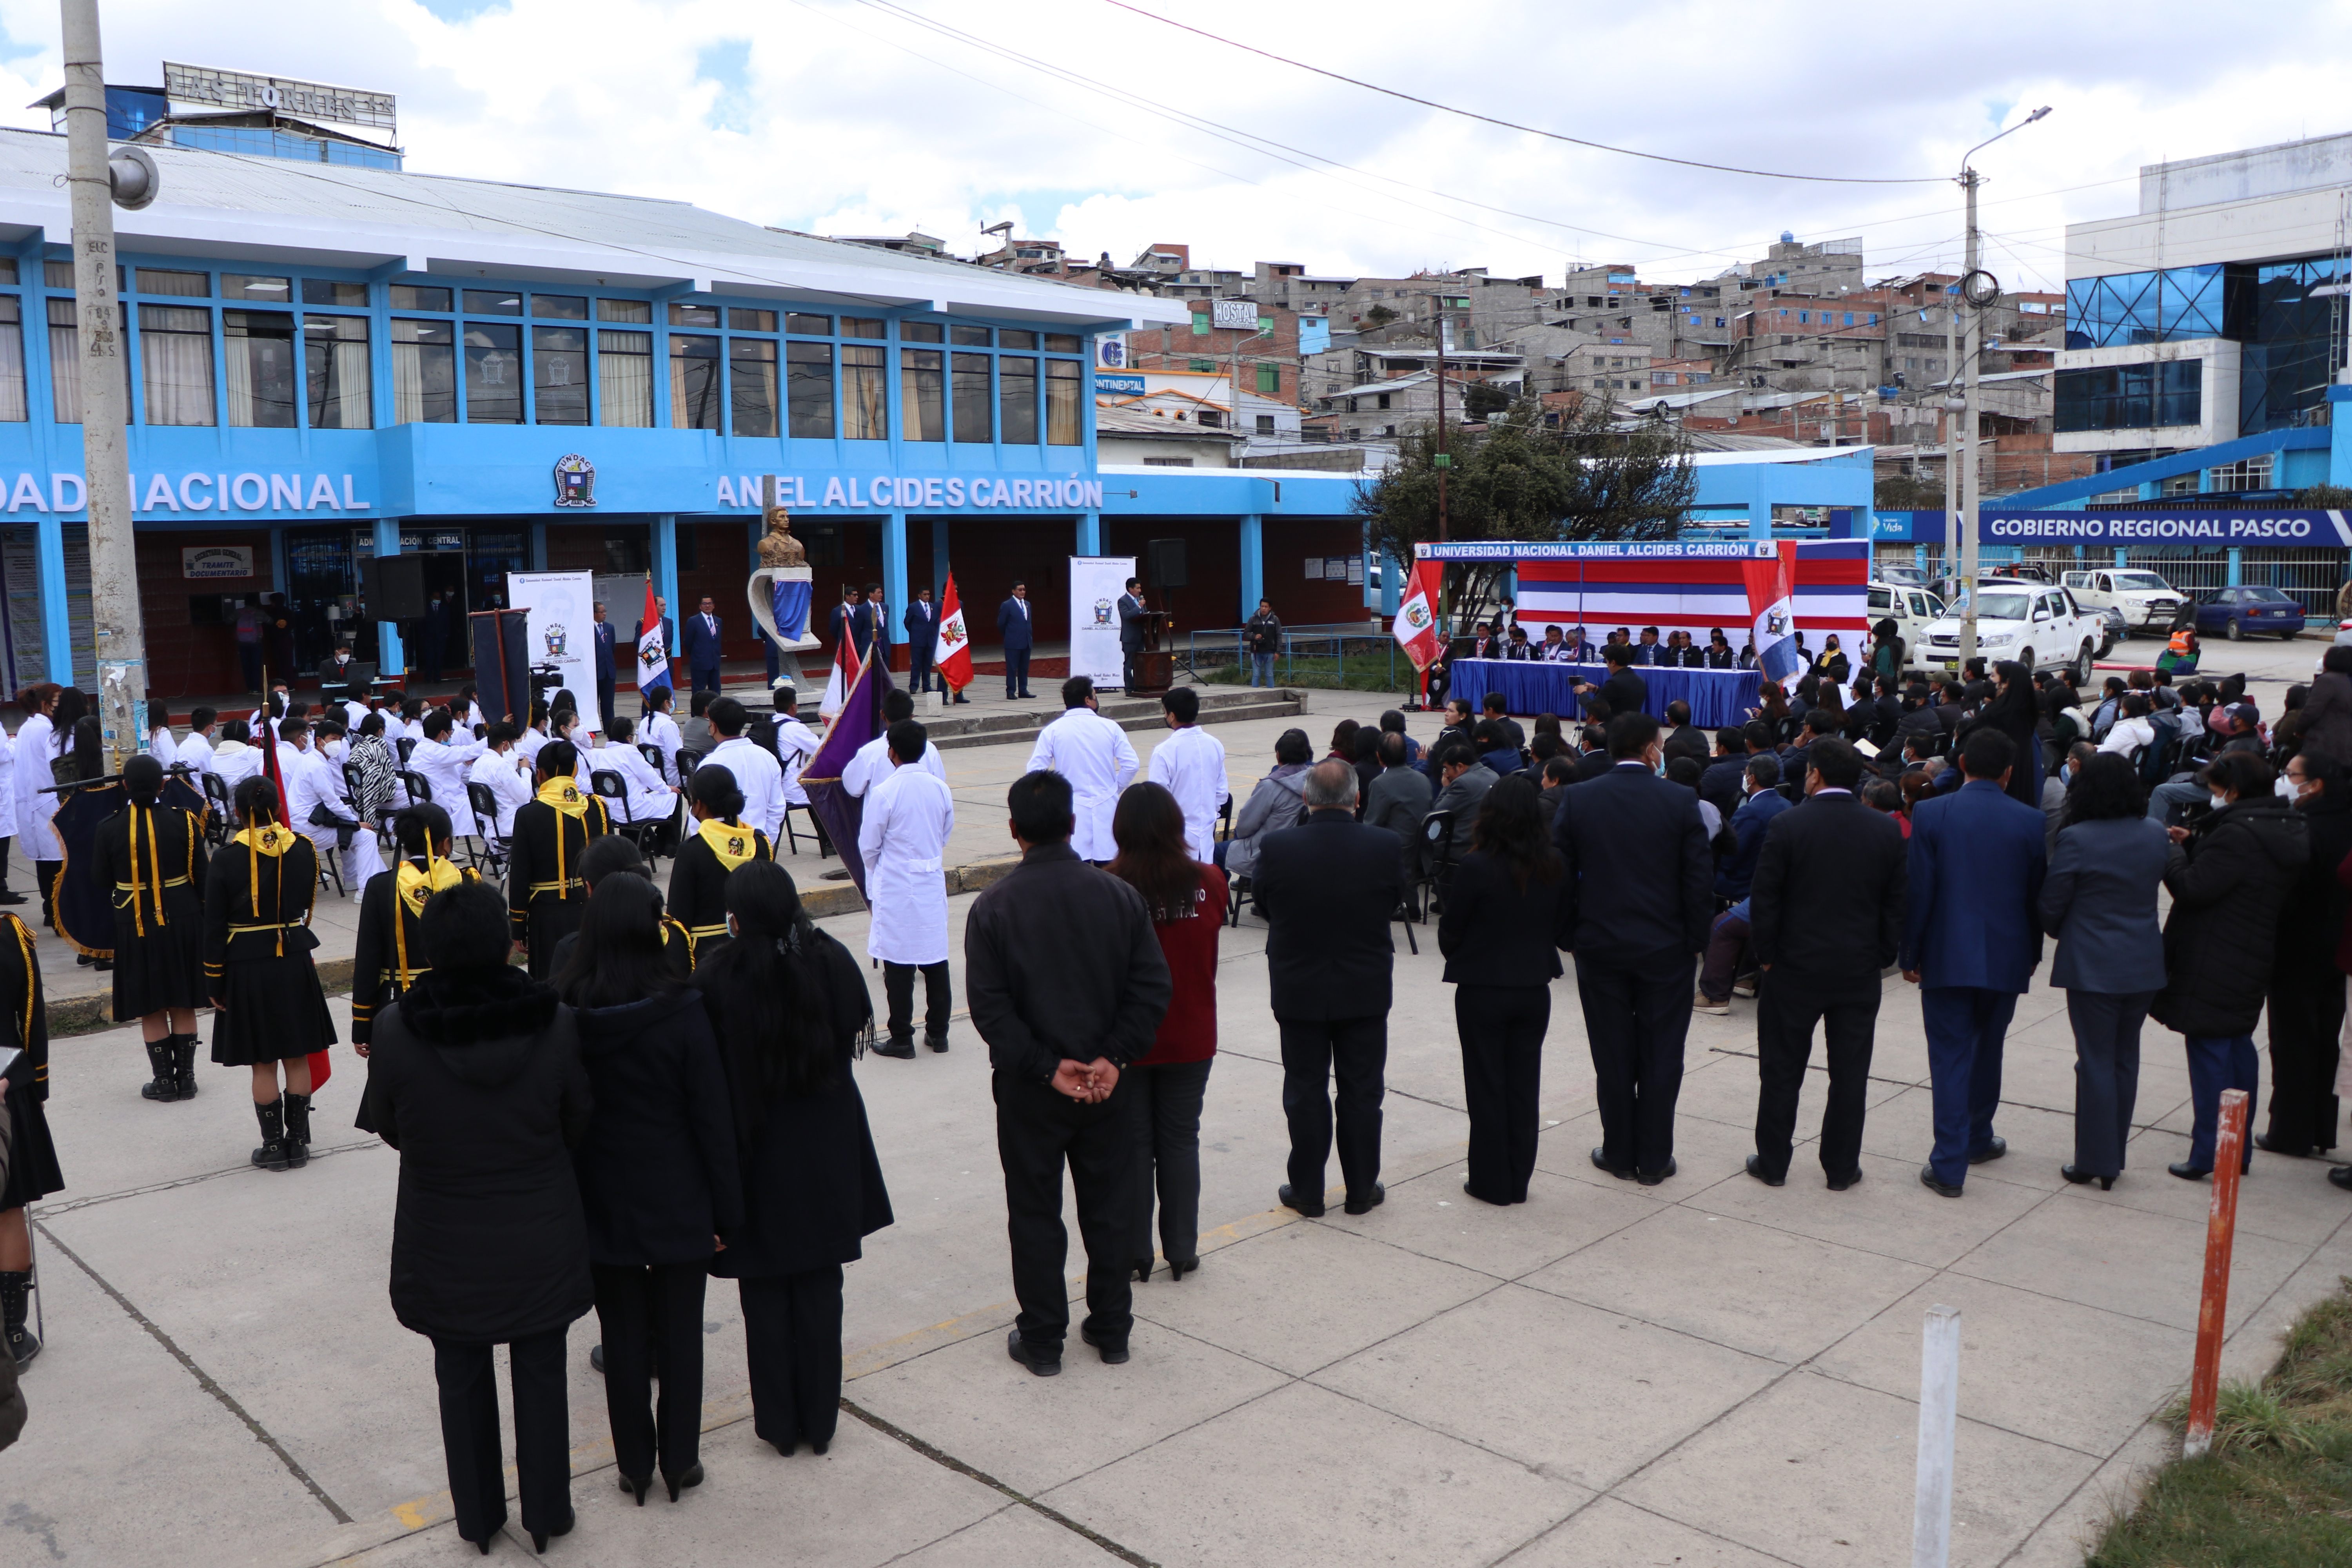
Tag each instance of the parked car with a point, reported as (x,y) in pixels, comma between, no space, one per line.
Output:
(2114,627)
(1908,577)
(2024,571)
(1910,607)
(2242,612)
(2037,626)
(2148,603)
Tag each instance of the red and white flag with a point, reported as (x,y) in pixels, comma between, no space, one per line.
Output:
(952,658)
(841,678)
(1416,617)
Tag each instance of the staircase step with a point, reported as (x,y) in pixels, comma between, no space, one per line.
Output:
(1129,713)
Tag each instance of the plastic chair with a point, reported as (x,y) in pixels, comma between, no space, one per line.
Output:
(485,806)
(610,788)
(407,743)
(1437,862)
(222,816)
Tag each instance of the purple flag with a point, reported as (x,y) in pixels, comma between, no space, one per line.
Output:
(860,720)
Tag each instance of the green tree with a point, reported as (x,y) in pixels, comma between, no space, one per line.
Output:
(1902,492)
(1481,399)
(1379,315)
(1520,479)
(2324,498)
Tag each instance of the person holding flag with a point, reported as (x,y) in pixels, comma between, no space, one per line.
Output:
(1415,626)
(952,658)
(652,650)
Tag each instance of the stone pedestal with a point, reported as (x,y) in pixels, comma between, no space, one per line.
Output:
(760,591)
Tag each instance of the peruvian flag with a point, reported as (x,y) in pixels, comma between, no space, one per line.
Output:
(1416,617)
(1772,613)
(952,658)
(843,676)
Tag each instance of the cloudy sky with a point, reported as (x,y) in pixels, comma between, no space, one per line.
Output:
(1108,129)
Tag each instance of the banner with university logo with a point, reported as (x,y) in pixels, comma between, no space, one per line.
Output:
(1095,583)
(559,607)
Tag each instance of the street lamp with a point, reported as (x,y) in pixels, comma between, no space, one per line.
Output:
(1979,291)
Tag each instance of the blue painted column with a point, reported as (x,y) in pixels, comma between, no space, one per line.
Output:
(1253,552)
(940,564)
(664,549)
(1759,518)
(391,658)
(894,574)
(56,625)
(2123,556)
(1089,540)
(2237,567)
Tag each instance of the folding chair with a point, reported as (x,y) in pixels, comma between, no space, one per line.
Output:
(1437,863)
(408,744)
(485,807)
(221,817)
(823,843)
(610,788)
(415,786)
(653,756)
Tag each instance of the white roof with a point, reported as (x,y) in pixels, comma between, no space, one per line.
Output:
(233,207)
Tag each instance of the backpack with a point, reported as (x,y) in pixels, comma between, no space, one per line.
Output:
(2156,758)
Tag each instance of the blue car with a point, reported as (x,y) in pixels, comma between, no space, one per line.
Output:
(2240,613)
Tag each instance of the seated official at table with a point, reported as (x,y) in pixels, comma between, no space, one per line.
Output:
(1580,649)
(1518,648)
(1718,651)
(1555,650)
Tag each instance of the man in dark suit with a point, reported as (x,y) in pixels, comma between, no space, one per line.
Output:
(1648,651)
(1641,905)
(1130,631)
(605,676)
(1749,824)
(1971,940)
(701,646)
(1721,782)
(1825,913)
(1624,691)
(1329,889)
(1683,739)
(838,624)
(1015,629)
(923,640)
(868,621)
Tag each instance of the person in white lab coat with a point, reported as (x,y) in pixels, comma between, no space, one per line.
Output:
(872,761)
(442,759)
(1095,755)
(1191,765)
(908,815)
(757,772)
(161,744)
(507,771)
(309,786)
(8,813)
(196,749)
(795,741)
(660,732)
(649,799)
(534,734)
(235,759)
(37,749)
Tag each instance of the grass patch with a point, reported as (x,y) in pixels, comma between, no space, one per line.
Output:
(2276,1490)
(1364,673)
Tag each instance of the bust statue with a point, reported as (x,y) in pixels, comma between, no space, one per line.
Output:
(777,546)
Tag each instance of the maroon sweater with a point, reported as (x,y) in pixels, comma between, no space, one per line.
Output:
(1189,1031)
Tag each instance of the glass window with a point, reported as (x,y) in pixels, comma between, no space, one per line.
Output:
(751,385)
(493,374)
(271,291)
(808,326)
(860,326)
(625,311)
(7,269)
(694,315)
(968,337)
(1269,379)
(2130,396)
(751,321)
(973,418)
(325,292)
(65,362)
(58,274)
(418,297)
(257,351)
(559,373)
(424,371)
(865,404)
(625,375)
(493,302)
(1063,379)
(335,362)
(693,382)
(175,352)
(1016,400)
(193,285)
(808,383)
(1012,339)
(1067,342)
(922,333)
(922,395)
(12,360)
(560,307)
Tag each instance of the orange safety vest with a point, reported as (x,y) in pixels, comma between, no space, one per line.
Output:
(2179,645)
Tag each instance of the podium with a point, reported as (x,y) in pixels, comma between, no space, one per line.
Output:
(1154,662)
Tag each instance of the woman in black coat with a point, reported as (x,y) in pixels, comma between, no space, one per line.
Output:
(790,1007)
(2233,873)
(1500,935)
(657,1175)
(474,1077)
(2015,710)
(2306,993)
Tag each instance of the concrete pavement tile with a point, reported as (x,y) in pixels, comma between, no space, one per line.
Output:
(2052,1369)
(2131,1262)
(1705,1152)
(1433,1215)
(2255,1346)
(1754,1289)
(1034,1432)
(1247,1298)
(1307,1476)
(1888,1213)
(1821,1473)
(1610,1532)
(2076,1525)
(1490,1373)
(1013,1537)
(2287,1200)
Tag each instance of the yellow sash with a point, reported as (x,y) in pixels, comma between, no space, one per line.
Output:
(731,842)
(416,886)
(564,796)
(273,839)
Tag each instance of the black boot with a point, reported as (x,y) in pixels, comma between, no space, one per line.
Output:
(297,1130)
(14,1287)
(272,1155)
(165,1086)
(184,1066)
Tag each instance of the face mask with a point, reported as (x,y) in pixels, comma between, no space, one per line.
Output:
(336,749)
(2220,800)
(1659,767)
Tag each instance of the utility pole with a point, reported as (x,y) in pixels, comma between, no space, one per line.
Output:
(1445,462)
(119,641)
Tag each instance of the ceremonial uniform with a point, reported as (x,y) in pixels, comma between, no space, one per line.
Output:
(152,860)
(544,893)
(389,953)
(904,832)
(33,1173)
(1094,754)
(698,879)
(257,946)
(759,775)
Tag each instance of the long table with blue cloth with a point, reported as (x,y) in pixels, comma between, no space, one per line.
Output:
(1716,696)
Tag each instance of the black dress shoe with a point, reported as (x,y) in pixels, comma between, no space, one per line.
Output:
(2189,1173)
(539,1537)
(1651,1178)
(1942,1189)
(1113,1351)
(7,898)
(1366,1205)
(2083,1178)
(1840,1183)
(636,1485)
(1601,1162)
(819,1444)
(1989,1153)
(1030,1356)
(1142,1267)
(1498,1203)
(1179,1267)
(1290,1201)
(690,1476)
(1756,1169)
(937,1042)
(2263,1142)
(900,1050)
(2341,1176)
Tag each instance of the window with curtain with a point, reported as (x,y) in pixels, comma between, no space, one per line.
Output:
(1063,379)
(625,311)
(191,285)
(176,356)
(865,403)
(335,362)
(693,380)
(258,351)
(493,374)
(1016,399)
(808,386)
(625,375)
(559,374)
(418,296)
(972,396)
(326,291)
(65,362)
(12,360)
(424,371)
(860,326)
(968,337)
(266,291)
(922,395)
(559,307)
(751,321)
(751,383)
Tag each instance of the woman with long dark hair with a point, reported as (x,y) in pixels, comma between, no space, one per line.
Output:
(2306,996)
(2015,710)
(1500,935)
(389,952)
(721,842)
(658,1179)
(790,1007)
(1187,900)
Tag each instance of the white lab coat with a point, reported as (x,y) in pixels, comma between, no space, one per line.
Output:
(505,772)
(1094,754)
(443,767)
(307,785)
(196,754)
(528,747)
(908,815)
(795,745)
(234,762)
(9,786)
(37,751)
(660,731)
(1191,765)
(872,761)
(649,799)
(759,776)
(164,746)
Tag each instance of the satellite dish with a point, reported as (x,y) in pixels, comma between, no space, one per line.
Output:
(131,174)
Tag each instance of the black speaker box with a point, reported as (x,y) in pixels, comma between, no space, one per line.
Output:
(394,586)
(1166,558)
(502,679)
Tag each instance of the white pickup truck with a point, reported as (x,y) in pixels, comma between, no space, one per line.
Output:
(2033,623)
(2147,601)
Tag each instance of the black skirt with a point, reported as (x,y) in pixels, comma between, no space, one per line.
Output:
(552,920)
(33,1173)
(165,968)
(277,1009)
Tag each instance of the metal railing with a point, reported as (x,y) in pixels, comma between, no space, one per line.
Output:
(1324,655)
